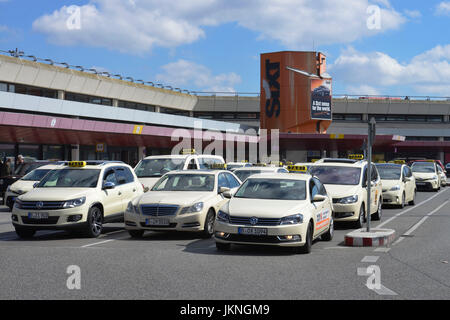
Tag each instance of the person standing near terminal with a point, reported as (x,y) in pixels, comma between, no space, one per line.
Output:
(19,160)
(5,168)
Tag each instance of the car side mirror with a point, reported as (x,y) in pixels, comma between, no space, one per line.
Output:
(223,190)
(319,198)
(35,184)
(108,185)
(227,194)
(146,189)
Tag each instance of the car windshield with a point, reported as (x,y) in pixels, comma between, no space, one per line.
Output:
(244,174)
(23,168)
(157,167)
(70,178)
(185,182)
(336,174)
(275,189)
(423,167)
(389,172)
(35,175)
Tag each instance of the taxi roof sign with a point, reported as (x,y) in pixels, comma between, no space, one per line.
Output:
(77,164)
(293,168)
(356,156)
(399,161)
(187,151)
(218,166)
(260,165)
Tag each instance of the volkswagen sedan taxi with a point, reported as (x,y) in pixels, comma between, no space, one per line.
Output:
(279,209)
(399,184)
(182,201)
(81,195)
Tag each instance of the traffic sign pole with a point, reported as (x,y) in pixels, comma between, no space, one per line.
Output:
(370,140)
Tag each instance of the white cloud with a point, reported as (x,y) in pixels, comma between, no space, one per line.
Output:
(138,26)
(187,74)
(413,14)
(363,90)
(426,73)
(443,8)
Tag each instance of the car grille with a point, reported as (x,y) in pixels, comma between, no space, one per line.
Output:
(251,238)
(261,221)
(158,210)
(50,220)
(41,205)
(171,225)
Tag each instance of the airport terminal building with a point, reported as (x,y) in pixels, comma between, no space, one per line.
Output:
(51,110)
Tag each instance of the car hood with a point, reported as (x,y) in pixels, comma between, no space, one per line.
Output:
(55,194)
(388,184)
(263,208)
(424,175)
(180,198)
(341,191)
(21,186)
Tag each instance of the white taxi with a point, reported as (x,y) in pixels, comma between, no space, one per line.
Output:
(281,209)
(244,173)
(399,184)
(81,195)
(151,168)
(427,175)
(346,182)
(182,201)
(26,183)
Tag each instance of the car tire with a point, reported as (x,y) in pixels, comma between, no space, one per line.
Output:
(377,215)
(328,236)
(223,246)
(136,234)
(208,229)
(361,218)
(413,201)
(25,233)
(402,203)
(94,222)
(306,248)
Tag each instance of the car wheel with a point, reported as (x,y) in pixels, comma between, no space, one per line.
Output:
(223,246)
(402,203)
(94,222)
(306,248)
(328,236)
(362,217)
(379,213)
(413,201)
(25,233)
(208,230)
(136,233)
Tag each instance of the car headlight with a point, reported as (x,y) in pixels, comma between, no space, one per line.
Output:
(132,208)
(223,216)
(196,207)
(434,177)
(74,203)
(294,219)
(347,200)
(395,188)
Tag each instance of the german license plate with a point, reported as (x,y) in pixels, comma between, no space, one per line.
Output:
(38,215)
(253,231)
(420,183)
(156,222)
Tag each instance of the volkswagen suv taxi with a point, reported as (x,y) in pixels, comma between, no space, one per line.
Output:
(81,195)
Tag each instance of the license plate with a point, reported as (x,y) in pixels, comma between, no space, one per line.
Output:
(420,183)
(253,231)
(38,215)
(156,222)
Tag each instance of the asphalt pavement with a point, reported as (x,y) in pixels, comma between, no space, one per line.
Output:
(183,266)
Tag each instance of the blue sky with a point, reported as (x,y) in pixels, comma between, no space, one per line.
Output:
(214,45)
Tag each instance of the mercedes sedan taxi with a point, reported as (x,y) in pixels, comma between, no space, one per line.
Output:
(182,201)
(278,209)
(399,184)
(81,196)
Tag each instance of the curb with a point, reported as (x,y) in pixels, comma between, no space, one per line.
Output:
(374,238)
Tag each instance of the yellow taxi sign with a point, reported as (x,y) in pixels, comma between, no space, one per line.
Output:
(293,168)
(77,164)
(244,161)
(399,161)
(289,163)
(276,163)
(356,156)
(314,160)
(381,161)
(187,151)
(218,166)
(260,165)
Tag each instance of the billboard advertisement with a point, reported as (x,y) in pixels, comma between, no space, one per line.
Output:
(320,99)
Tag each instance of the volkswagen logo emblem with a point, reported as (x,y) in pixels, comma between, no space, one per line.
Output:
(253,220)
(39,205)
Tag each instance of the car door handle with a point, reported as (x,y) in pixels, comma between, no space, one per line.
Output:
(120,193)
(134,190)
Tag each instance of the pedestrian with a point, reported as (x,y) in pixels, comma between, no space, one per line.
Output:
(6,168)
(19,160)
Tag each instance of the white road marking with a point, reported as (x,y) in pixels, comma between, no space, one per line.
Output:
(382,249)
(407,210)
(370,259)
(385,291)
(96,243)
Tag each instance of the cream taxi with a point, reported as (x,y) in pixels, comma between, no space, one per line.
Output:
(427,175)
(151,168)
(26,183)
(81,195)
(398,184)
(345,181)
(244,173)
(182,201)
(278,209)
